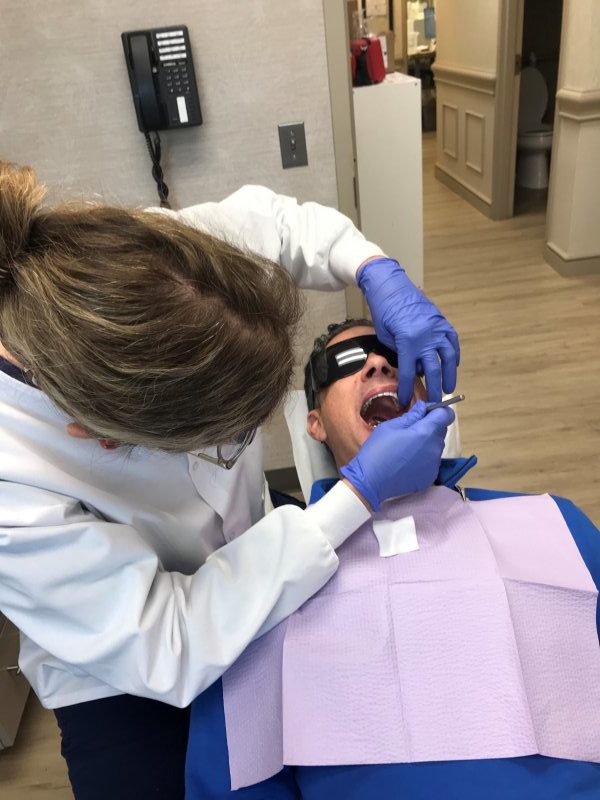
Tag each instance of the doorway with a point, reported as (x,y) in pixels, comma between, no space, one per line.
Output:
(480,58)
(538,79)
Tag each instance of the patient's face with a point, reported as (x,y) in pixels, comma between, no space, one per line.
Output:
(338,420)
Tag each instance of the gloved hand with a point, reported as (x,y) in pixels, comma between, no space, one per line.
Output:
(410,324)
(401,456)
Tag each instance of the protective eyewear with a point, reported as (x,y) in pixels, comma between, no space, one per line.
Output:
(228,454)
(343,359)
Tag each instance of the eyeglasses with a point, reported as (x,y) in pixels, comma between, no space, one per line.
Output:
(228,454)
(343,359)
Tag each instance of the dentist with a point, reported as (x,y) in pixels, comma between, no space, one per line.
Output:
(139,570)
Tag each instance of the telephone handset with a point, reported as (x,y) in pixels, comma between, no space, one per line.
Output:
(161,73)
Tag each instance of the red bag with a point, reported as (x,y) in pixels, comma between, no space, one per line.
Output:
(367,61)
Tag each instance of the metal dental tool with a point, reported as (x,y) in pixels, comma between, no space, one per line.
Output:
(449,402)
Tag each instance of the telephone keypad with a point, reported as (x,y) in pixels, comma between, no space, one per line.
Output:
(177,79)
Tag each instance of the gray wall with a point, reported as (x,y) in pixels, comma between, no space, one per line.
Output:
(66,108)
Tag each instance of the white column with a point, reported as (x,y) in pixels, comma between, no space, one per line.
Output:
(573,219)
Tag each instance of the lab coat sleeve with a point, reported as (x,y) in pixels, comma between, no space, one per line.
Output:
(94,594)
(319,246)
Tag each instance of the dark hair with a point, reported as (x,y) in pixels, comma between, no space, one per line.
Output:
(140,327)
(321,342)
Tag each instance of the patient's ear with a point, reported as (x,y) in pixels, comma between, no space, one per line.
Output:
(314,426)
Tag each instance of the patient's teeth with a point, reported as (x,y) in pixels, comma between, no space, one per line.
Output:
(365,407)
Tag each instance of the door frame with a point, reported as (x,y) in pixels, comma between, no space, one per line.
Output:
(508,69)
(399,15)
(337,44)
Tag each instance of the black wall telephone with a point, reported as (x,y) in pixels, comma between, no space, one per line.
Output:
(163,83)
(161,72)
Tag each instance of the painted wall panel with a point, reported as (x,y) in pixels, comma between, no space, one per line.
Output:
(449,130)
(474,141)
(471,125)
(466,77)
(467,32)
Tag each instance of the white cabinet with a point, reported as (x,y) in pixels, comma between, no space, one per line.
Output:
(387,118)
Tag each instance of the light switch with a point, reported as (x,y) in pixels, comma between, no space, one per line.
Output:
(292,142)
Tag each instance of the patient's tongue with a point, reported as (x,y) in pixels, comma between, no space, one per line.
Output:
(382,409)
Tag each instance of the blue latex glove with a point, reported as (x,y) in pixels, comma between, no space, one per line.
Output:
(401,456)
(410,324)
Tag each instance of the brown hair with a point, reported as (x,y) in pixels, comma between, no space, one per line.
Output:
(139,327)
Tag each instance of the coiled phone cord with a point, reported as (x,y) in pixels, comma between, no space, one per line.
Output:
(157,173)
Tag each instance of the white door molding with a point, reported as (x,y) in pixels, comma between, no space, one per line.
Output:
(465,78)
(581,106)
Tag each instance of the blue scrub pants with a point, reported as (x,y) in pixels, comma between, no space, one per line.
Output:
(124,748)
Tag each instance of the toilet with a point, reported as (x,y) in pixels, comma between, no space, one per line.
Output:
(534,138)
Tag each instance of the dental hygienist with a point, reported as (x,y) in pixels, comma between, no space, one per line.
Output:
(167,339)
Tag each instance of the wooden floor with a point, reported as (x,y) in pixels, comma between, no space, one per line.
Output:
(33,767)
(530,370)
(530,343)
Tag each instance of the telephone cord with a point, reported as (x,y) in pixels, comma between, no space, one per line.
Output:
(154,149)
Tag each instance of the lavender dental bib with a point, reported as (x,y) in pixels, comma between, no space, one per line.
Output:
(480,644)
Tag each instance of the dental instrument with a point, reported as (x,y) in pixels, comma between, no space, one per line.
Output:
(449,402)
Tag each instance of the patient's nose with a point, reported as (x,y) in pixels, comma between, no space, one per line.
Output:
(377,365)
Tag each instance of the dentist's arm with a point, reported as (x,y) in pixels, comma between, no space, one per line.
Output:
(95,595)
(322,249)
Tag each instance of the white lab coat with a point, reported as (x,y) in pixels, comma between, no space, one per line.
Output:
(124,572)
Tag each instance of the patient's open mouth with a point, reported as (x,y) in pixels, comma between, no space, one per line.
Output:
(380,408)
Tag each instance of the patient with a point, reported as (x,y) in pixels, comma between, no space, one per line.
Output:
(453,655)
(346,397)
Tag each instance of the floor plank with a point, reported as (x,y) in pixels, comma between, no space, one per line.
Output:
(33,767)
